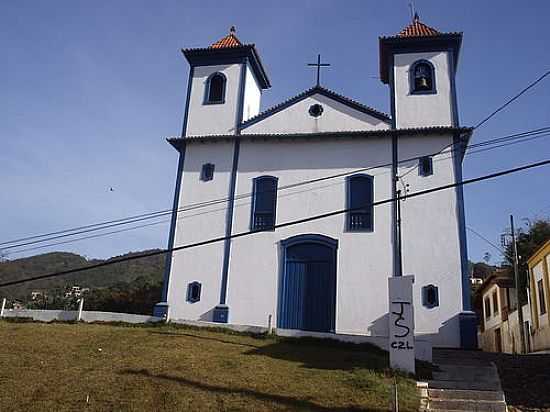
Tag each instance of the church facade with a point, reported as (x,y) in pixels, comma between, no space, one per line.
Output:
(291,206)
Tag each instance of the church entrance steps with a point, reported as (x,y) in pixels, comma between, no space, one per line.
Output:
(462,381)
(453,394)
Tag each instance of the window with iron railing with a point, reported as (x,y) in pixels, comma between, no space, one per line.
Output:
(264,203)
(360,195)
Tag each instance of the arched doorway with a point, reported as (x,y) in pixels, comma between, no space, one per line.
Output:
(308,286)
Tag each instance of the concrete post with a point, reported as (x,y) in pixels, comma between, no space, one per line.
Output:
(80,308)
(3,307)
(269,325)
(401,340)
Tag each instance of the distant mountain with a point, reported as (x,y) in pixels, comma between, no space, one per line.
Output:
(149,269)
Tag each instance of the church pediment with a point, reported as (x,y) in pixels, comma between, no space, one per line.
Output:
(316,110)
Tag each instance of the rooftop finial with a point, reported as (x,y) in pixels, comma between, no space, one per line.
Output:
(232,30)
(416,18)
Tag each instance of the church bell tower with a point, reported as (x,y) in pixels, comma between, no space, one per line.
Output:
(419,65)
(225,85)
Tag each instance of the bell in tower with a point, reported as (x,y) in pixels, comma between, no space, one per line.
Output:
(423,77)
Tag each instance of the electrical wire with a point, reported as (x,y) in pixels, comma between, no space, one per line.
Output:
(146,216)
(506,139)
(278,226)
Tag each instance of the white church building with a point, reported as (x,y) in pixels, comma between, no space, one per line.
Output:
(297,197)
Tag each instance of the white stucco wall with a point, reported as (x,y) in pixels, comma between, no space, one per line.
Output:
(291,163)
(431,244)
(208,119)
(416,110)
(252,95)
(364,260)
(296,119)
(202,264)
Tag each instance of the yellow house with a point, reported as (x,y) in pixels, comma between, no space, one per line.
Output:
(539,286)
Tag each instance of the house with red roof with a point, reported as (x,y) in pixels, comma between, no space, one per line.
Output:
(293,217)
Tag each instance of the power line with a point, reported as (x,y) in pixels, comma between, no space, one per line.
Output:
(502,107)
(525,136)
(146,216)
(280,225)
(88,237)
(157,223)
(506,139)
(479,235)
(236,205)
(509,101)
(169,211)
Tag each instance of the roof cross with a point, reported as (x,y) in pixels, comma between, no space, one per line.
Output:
(319,65)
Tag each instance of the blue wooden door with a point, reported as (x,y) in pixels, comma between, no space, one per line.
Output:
(308,295)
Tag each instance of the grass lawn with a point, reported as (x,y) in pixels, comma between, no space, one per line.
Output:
(74,367)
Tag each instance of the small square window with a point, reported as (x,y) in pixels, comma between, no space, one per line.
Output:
(194,292)
(430,296)
(207,172)
(425,166)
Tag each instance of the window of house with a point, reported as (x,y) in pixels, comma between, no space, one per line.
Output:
(207,172)
(495,302)
(425,166)
(360,196)
(264,203)
(430,296)
(487,308)
(542,300)
(194,292)
(215,89)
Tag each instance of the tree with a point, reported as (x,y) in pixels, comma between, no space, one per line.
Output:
(528,242)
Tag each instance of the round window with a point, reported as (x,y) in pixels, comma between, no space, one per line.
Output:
(316,110)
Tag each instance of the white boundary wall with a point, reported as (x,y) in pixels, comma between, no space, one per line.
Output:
(72,315)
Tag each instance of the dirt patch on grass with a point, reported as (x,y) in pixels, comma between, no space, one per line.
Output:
(66,367)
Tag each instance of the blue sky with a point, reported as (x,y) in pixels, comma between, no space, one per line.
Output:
(91,89)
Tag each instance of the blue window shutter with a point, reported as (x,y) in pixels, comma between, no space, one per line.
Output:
(360,217)
(264,203)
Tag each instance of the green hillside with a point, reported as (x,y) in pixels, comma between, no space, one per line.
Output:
(149,269)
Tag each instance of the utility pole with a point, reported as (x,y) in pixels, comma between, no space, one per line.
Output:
(516,276)
(396,218)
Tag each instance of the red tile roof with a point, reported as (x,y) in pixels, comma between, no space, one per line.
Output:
(228,41)
(418,29)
